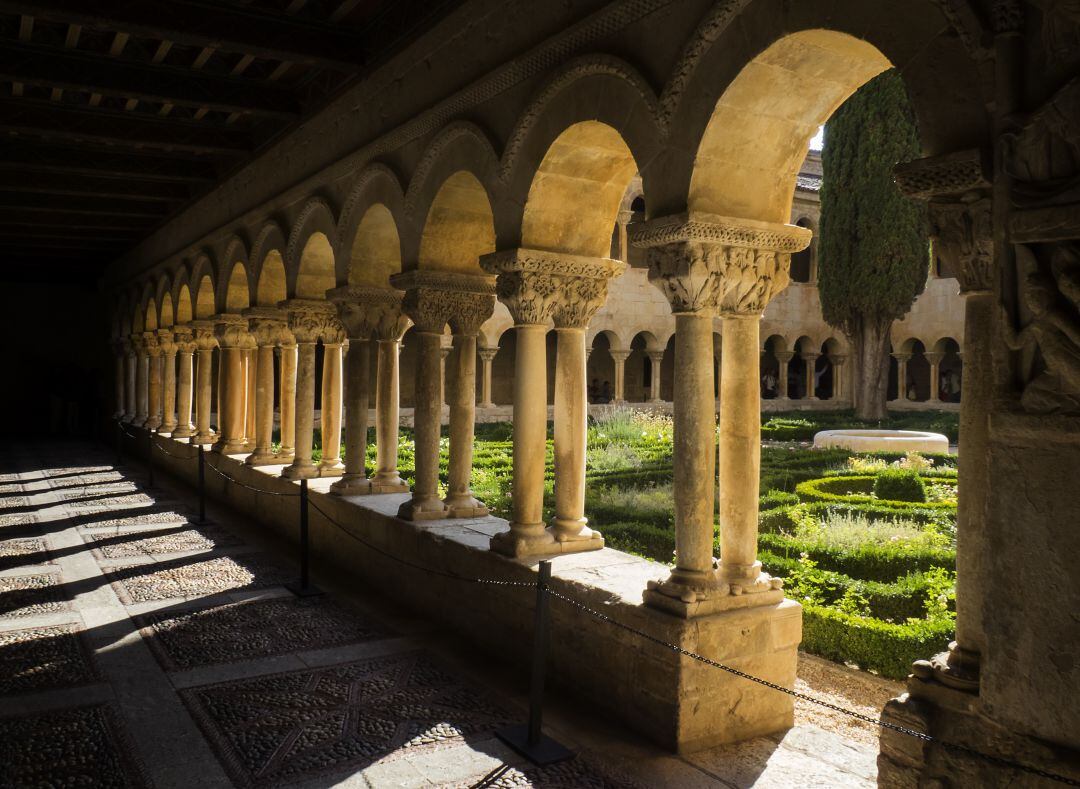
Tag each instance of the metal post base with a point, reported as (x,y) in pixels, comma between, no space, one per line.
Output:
(545,751)
(301,590)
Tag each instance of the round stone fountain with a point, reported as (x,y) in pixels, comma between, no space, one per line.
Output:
(860,440)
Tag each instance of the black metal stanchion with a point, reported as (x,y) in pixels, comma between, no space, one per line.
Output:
(202,484)
(119,444)
(150,458)
(528,739)
(304,587)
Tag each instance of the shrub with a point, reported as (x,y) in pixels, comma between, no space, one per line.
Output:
(860,490)
(899,484)
(776,498)
(642,539)
(869,562)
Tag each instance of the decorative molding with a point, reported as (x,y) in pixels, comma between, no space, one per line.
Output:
(963,237)
(935,176)
(446,138)
(205,338)
(298,237)
(311,320)
(262,246)
(713,229)
(371,173)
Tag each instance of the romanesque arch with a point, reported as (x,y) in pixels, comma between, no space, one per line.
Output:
(309,256)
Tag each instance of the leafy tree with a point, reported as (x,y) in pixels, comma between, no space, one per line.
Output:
(873,246)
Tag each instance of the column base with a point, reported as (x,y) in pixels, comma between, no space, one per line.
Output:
(388,482)
(566,530)
(429,509)
(264,458)
(285,456)
(527,542)
(464,506)
(167,429)
(139,421)
(957,668)
(203,438)
(352,485)
(182,431)
(688,595)
(152,424)
(300,471)
(333,469)
(229,448)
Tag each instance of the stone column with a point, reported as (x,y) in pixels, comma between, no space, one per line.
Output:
(185,348)
(167,341)
(251,375)
(583,285)
(655,368)
(703,264)
(784,359)
(287,397)
(620,358)
(392,324)
(330,427)
(153,387)
(205,341)
(234,340)
(934,358)
(120,377)
(962,228)
(539,287)
(269,328)
(309,319)
(838,361)
(901,375)
(487,357)
(142,380)
(810,359)
(444,354)
(130,387)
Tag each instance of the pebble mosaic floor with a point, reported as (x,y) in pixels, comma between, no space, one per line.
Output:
(141,648)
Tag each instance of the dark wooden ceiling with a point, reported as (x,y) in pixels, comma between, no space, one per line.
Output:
(114,114)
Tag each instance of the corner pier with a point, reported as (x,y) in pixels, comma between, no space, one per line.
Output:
(675,701)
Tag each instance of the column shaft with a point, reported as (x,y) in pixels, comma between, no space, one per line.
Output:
(142,387)
(205,375)
(119,385)
(184,428)
(302,464)
(571,415)
(287,402)
(740,450)
(251,374)
(811,370)
(486,358)
(460,502)
(168,391)
(427,417)
(153,419)
(330,427)
(387,409)
(232,416)
(619,358)
(264,407)
(655,369)
(358,372)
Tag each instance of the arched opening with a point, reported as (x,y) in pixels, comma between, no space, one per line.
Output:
(316,273)
(575,196)
(184,312)
(150,321)
(271,287)
(802,269)
(667,371)
(204,298)
(771,369)
(376,249)
(760,129)
(460,226)
(166,320)
(237,294)
(950,370)
(639,367)
(798,380)
(917,379)
(601,370)
(502,369)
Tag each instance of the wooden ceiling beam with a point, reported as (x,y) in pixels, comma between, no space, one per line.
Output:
(81,205)
(92,187)
(97,161)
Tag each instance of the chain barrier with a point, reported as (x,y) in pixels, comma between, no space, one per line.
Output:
(170,454)
(997,761)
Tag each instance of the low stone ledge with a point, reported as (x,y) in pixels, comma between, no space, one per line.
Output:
(678,702)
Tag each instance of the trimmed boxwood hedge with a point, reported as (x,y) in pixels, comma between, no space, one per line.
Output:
(857,489)
(871,562)
(780,519)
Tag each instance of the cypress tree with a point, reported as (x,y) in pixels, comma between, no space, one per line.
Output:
(873,248)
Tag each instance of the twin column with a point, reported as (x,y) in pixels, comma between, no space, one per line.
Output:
(542,288)
(708,267)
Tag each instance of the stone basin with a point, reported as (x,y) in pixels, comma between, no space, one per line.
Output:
(859,440)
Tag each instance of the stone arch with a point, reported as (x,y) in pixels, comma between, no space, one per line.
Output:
(309,254)
(149,309)
(163,300)
(459,148)
(460,226)
(771,368)
(185,311)
(803,262)
(575,194)
(237,288)
(783,70)
(268,265)
(950,369)
(138,318)
(374,208)
(204,296)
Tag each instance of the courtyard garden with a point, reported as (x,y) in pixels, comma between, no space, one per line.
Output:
(865,542)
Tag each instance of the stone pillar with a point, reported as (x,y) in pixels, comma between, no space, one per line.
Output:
(185,349)
(269,328)
(934,358)
(234,340)
(539,287)
(251,374)
(901,375)
(487,357)
(142,380)
(167,341)
(622,220)
(838,361)
(583,286)
(391,326)
(130,388)
(810,359)
(287,397)
(309,319)
(655,368)
(205,341)
(703,265)
(444,354)
(153,387)
(330,427)
(119,378)
(620,358)
(784,359)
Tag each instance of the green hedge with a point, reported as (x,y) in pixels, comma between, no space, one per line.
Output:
(869,562)
(780,519)
(889,649)
(898,484)
(857,489)
(776,498)
(643,539)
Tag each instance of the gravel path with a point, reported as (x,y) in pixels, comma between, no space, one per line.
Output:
(846,687)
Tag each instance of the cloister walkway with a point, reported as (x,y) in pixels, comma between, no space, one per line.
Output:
(139,648)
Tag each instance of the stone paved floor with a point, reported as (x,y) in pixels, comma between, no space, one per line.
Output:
(139,648)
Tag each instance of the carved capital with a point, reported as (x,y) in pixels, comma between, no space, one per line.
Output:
(488,354)
(933,357)
(784,357)
(232,331)
(434,299)
(150,345)
(705,263)
(540,287)
(184,336)
(656,357)
(311,320)
(268,325)
(360,309)
(205,339)
(166,341)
